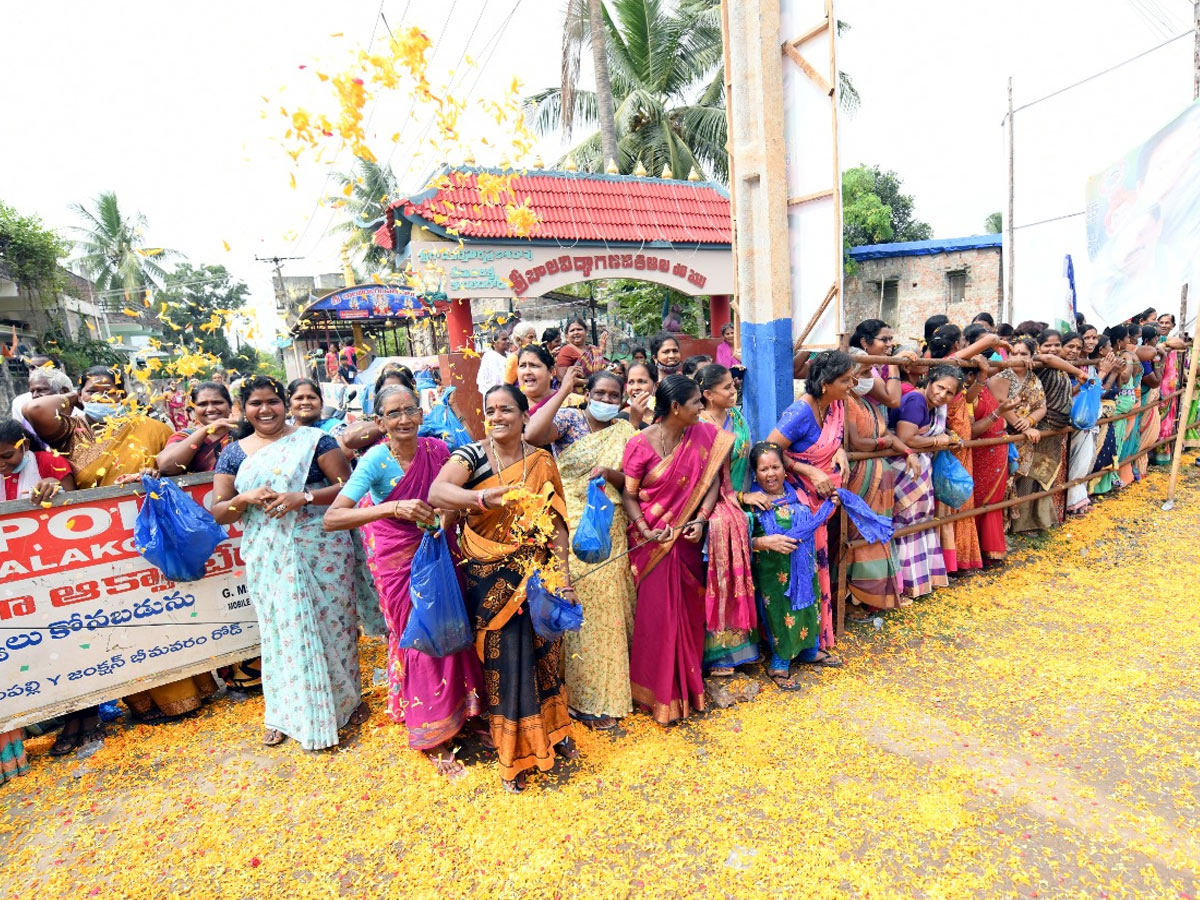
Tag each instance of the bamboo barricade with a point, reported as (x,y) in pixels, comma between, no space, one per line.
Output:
(841,584)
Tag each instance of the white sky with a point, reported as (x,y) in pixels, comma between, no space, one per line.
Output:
(162,103)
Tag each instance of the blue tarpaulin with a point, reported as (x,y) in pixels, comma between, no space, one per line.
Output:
(925,248)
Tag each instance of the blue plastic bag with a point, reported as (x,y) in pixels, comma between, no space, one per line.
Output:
(552,616)
(592,542)
(1014,459)
(442,423)
(174,532)
(437,624)
(952,484)
(1085,411)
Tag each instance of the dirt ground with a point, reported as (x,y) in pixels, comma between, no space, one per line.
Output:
(1031,733)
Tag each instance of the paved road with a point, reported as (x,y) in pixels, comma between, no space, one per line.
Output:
(1034,733)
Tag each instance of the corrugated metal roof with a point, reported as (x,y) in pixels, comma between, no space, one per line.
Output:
(926,248)
(574,207)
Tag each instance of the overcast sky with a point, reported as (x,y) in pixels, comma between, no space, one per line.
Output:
(163,104)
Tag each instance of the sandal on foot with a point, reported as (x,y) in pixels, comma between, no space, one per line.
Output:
(273,737)
(594,722)
(720,671)
(824,658)
(484,734)
(66,742)
(516,786)
(566,749)
(783,680)
(359,715)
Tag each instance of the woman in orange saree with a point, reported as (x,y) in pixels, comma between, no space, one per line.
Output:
(515,525)
(672,481)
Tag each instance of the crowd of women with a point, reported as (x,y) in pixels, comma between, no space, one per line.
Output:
(724,552)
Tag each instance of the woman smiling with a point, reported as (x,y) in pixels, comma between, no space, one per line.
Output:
(301,579)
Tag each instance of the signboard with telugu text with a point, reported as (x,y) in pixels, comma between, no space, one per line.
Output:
(531,270)
(84,618)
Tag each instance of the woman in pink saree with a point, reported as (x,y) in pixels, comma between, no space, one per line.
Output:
(672,479)
(811,431)
(432,696)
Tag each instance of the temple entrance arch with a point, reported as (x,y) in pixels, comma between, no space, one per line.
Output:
(590,227)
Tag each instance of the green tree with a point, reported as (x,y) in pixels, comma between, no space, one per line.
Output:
(112,250)
(875,211)
(30,252)
(371,187)
(76,356)
(585,25)
(197,300)
(668,91)
(994,223)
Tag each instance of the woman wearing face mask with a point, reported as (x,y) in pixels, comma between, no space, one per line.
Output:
(922,426)
(112,443)
(672,484)
(590,443)
(277,481)
(812,431)
(526,701)
(1021,391)
(664,349)
(873,571)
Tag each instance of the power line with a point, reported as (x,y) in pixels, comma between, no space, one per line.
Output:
(1113,68)
(1082,212)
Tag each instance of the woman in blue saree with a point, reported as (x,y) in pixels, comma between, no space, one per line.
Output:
(278,481)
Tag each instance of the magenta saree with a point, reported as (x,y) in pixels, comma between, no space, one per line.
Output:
(799,419)
(433,696)
(668,626)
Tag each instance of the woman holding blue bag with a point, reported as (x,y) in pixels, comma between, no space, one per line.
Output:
(302,580)
(590,443)
(433,696)
(515,526)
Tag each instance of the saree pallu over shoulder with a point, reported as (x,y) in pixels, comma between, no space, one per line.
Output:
(873,570)
(503,535)
(433,696)
(523,674)
(302,580)
(128,449)
(675,486)
(597,656)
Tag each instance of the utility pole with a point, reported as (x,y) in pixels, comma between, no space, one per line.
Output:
(280,294)
(1008,219)
(1196,51)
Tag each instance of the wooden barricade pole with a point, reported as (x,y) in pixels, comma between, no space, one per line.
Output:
(1181,432)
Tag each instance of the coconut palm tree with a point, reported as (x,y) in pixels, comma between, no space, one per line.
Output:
(366,192)
(585,24)
(664,64)
(111,248)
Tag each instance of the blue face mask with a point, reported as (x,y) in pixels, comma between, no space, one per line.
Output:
(20,467)
(603,412)
(101,411)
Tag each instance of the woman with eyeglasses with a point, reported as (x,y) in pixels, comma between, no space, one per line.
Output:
(433,696)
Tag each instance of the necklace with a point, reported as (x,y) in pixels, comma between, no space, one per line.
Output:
(396,456)
(662,442)
(500,462)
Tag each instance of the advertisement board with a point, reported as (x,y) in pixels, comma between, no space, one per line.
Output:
(84,618)
(1143,222)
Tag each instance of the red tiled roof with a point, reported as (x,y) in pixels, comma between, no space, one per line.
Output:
(575,206)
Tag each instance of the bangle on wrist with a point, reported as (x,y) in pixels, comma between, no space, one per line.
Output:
(481,501)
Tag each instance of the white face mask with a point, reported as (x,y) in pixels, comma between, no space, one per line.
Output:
(863,386)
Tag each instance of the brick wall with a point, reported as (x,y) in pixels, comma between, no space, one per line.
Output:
(923,289)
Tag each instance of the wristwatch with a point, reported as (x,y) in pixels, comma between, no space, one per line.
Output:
(308,498)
